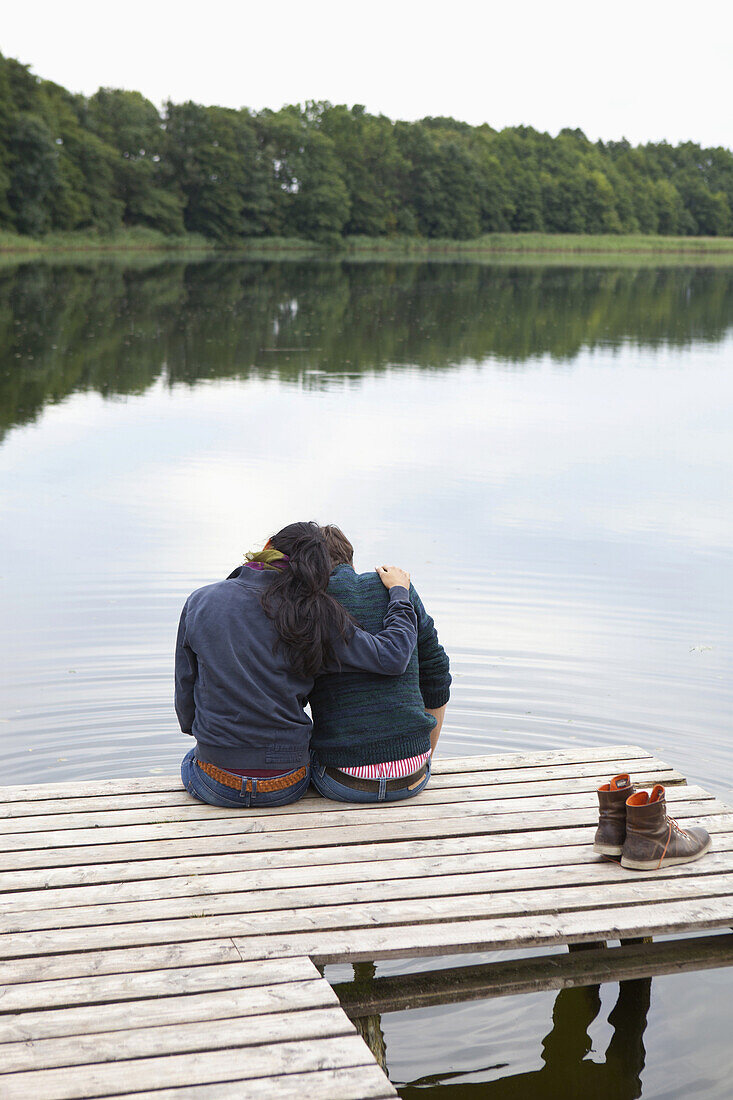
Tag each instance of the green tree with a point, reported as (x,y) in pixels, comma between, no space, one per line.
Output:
(321,171)
(85,196)
(563,201)
(517,150)
(372,168)
(6,114)
(497,209)
(445,183)
(710,212)
(670,210)
(308,193)
(600,206)
(214,156)
(321,202)
(131,125)
(33,163)
(205,169)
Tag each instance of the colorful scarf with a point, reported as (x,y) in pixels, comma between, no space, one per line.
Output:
(269,558)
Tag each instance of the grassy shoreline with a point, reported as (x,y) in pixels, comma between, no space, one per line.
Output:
(502,246)
(554,243)
(124,240)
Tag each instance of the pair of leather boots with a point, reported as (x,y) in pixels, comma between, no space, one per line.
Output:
(634,825)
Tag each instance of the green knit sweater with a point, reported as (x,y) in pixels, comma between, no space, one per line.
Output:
(361,718)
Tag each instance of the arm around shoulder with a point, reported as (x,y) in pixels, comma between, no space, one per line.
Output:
(387,653)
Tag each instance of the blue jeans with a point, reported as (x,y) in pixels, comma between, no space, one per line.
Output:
(207,789)
(331,788)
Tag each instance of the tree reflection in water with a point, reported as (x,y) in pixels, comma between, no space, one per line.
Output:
(119,327)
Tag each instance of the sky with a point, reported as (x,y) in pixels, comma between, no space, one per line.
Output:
(647,70)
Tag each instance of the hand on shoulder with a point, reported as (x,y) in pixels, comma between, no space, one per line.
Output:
(391,575)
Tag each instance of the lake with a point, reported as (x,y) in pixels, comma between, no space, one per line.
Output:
(546,449)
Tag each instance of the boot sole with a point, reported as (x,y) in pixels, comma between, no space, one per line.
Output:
(653,864)
(608,849)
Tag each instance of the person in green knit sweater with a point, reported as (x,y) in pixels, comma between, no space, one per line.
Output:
(373,736)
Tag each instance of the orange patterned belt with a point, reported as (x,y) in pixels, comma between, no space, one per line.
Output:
(237,782)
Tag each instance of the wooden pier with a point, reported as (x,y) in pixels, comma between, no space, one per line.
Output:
(156,947)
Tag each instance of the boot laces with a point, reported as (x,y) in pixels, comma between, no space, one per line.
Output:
(681,832)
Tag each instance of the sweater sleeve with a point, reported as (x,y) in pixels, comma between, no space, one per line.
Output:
(186,670)
(388,652)
(435,677)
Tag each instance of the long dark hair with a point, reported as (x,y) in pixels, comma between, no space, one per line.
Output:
(306,618)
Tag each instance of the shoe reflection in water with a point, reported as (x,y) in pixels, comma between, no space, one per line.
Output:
(567,1074)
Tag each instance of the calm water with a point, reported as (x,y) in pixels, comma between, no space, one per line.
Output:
(547,450)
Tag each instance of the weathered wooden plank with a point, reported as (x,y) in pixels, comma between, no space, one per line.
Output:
(247,1030)
(157,956)
(418,913)
(540,867)
(358,1083)
(541,758)
(266,908)
(511,849)
(578,777)
(187,1069)
(573,793)
(263,987)
(588,776)
(579,809)
(395,993)
(456,875)
(201,952)
(111,1014)
(565,845)
(643,773)
(76,856)
(75,788)
(505,933)
(539,826)
(442,765)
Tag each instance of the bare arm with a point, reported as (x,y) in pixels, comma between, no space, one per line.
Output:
(439,714)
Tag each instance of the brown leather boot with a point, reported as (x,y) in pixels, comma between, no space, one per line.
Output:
(611,831)
(654,840)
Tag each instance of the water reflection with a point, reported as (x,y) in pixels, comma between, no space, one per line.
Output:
(117,329)
(548,450)
(566,1071)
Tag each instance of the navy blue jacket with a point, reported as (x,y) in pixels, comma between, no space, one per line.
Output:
(235,689)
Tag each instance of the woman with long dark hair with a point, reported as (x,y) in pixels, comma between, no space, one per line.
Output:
(248,650)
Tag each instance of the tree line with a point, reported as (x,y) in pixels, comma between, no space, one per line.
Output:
(321,171)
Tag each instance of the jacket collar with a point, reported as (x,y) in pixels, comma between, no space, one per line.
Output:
(252,578)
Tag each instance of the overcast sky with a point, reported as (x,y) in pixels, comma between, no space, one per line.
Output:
(647,70)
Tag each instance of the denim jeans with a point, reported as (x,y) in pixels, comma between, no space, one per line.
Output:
(207,789)
(331,788)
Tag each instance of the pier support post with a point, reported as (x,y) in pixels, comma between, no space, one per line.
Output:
(370,1027)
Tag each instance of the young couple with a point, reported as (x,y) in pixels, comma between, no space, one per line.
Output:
(294,625)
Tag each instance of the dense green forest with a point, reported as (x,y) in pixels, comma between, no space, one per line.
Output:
(323,172)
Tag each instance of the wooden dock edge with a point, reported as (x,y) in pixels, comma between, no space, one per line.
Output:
(599,964)
(183,957)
